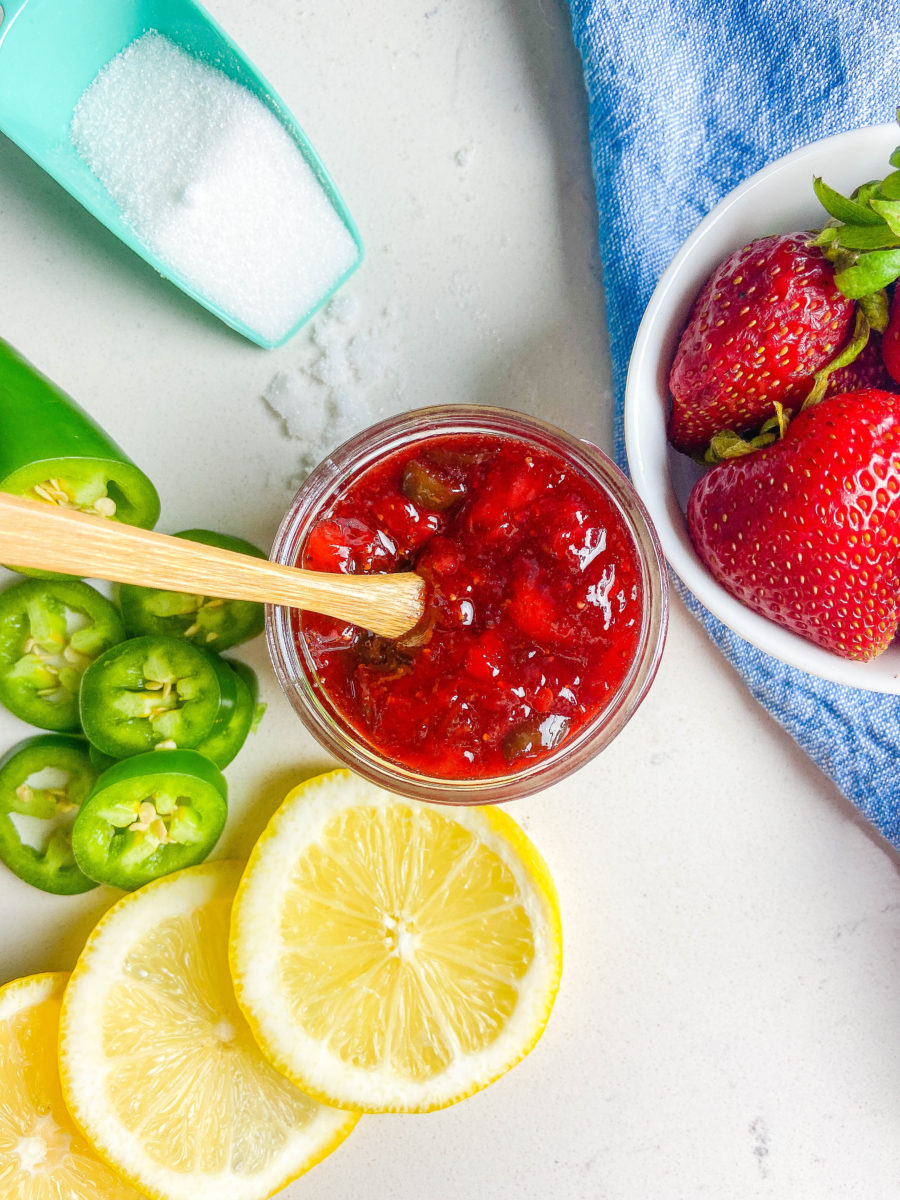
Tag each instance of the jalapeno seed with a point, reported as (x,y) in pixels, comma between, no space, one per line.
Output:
(160,819)
(51,655)
(90,498)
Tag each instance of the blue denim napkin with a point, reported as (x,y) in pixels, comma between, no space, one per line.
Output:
(686,99)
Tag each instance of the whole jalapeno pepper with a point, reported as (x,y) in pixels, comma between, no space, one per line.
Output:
(43,782)
(50,633)
(207,621)
(51,450)
(149,815)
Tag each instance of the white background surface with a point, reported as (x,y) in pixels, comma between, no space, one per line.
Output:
(729,1017)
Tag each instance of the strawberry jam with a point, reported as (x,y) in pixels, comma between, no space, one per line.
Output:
(534,615)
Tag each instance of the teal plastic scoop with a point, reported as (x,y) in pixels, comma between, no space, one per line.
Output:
(51,52)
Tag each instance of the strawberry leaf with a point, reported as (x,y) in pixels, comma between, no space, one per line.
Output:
(779,423)
(870,273)
(864,193)
(865,237)
(894,160)
(827,235)
(842,209)
(889,211)
(890,186)
(728,444)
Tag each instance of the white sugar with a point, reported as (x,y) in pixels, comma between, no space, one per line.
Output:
(213,184)
(348,376)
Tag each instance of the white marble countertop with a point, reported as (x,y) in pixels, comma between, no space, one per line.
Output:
(729,1014)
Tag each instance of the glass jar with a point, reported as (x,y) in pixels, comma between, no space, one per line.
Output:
(293,663)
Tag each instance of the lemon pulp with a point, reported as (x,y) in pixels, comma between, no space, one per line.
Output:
(158,1063)
(42,1155)
(393,955)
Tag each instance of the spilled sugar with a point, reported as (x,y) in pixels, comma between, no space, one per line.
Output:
(213,184)
(348,375)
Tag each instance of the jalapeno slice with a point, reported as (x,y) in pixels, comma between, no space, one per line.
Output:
(150,815)
(100,760)
(227,738)
(154,692)
(50,633)
(207,621)
(43,782)
(53,451)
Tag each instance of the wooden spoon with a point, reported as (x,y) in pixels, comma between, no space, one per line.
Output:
(36,534)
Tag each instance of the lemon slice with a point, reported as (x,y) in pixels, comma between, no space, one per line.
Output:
(42,1155)
(393,956)
(159,1068)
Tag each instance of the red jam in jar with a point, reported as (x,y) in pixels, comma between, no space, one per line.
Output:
(534,613)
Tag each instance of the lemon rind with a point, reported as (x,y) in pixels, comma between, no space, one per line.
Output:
(29,992)
(253,968)
(21,994)
(117,1146)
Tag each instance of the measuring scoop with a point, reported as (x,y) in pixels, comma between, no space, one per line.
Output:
(50,53)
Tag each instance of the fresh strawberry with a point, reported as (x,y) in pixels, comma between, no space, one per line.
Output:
(890,346)
(866,371)
(806,531)
(767,319)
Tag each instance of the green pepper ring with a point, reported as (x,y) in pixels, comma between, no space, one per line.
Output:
(117,673)
(20,606)
(224,743)
(43,869)
(102,847)
(235,621)
(136,499)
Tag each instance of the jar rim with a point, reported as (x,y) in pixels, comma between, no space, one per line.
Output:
(293,666)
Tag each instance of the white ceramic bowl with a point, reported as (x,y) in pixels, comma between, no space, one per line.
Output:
(777,199)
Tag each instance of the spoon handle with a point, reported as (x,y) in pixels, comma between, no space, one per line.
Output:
(36,534)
